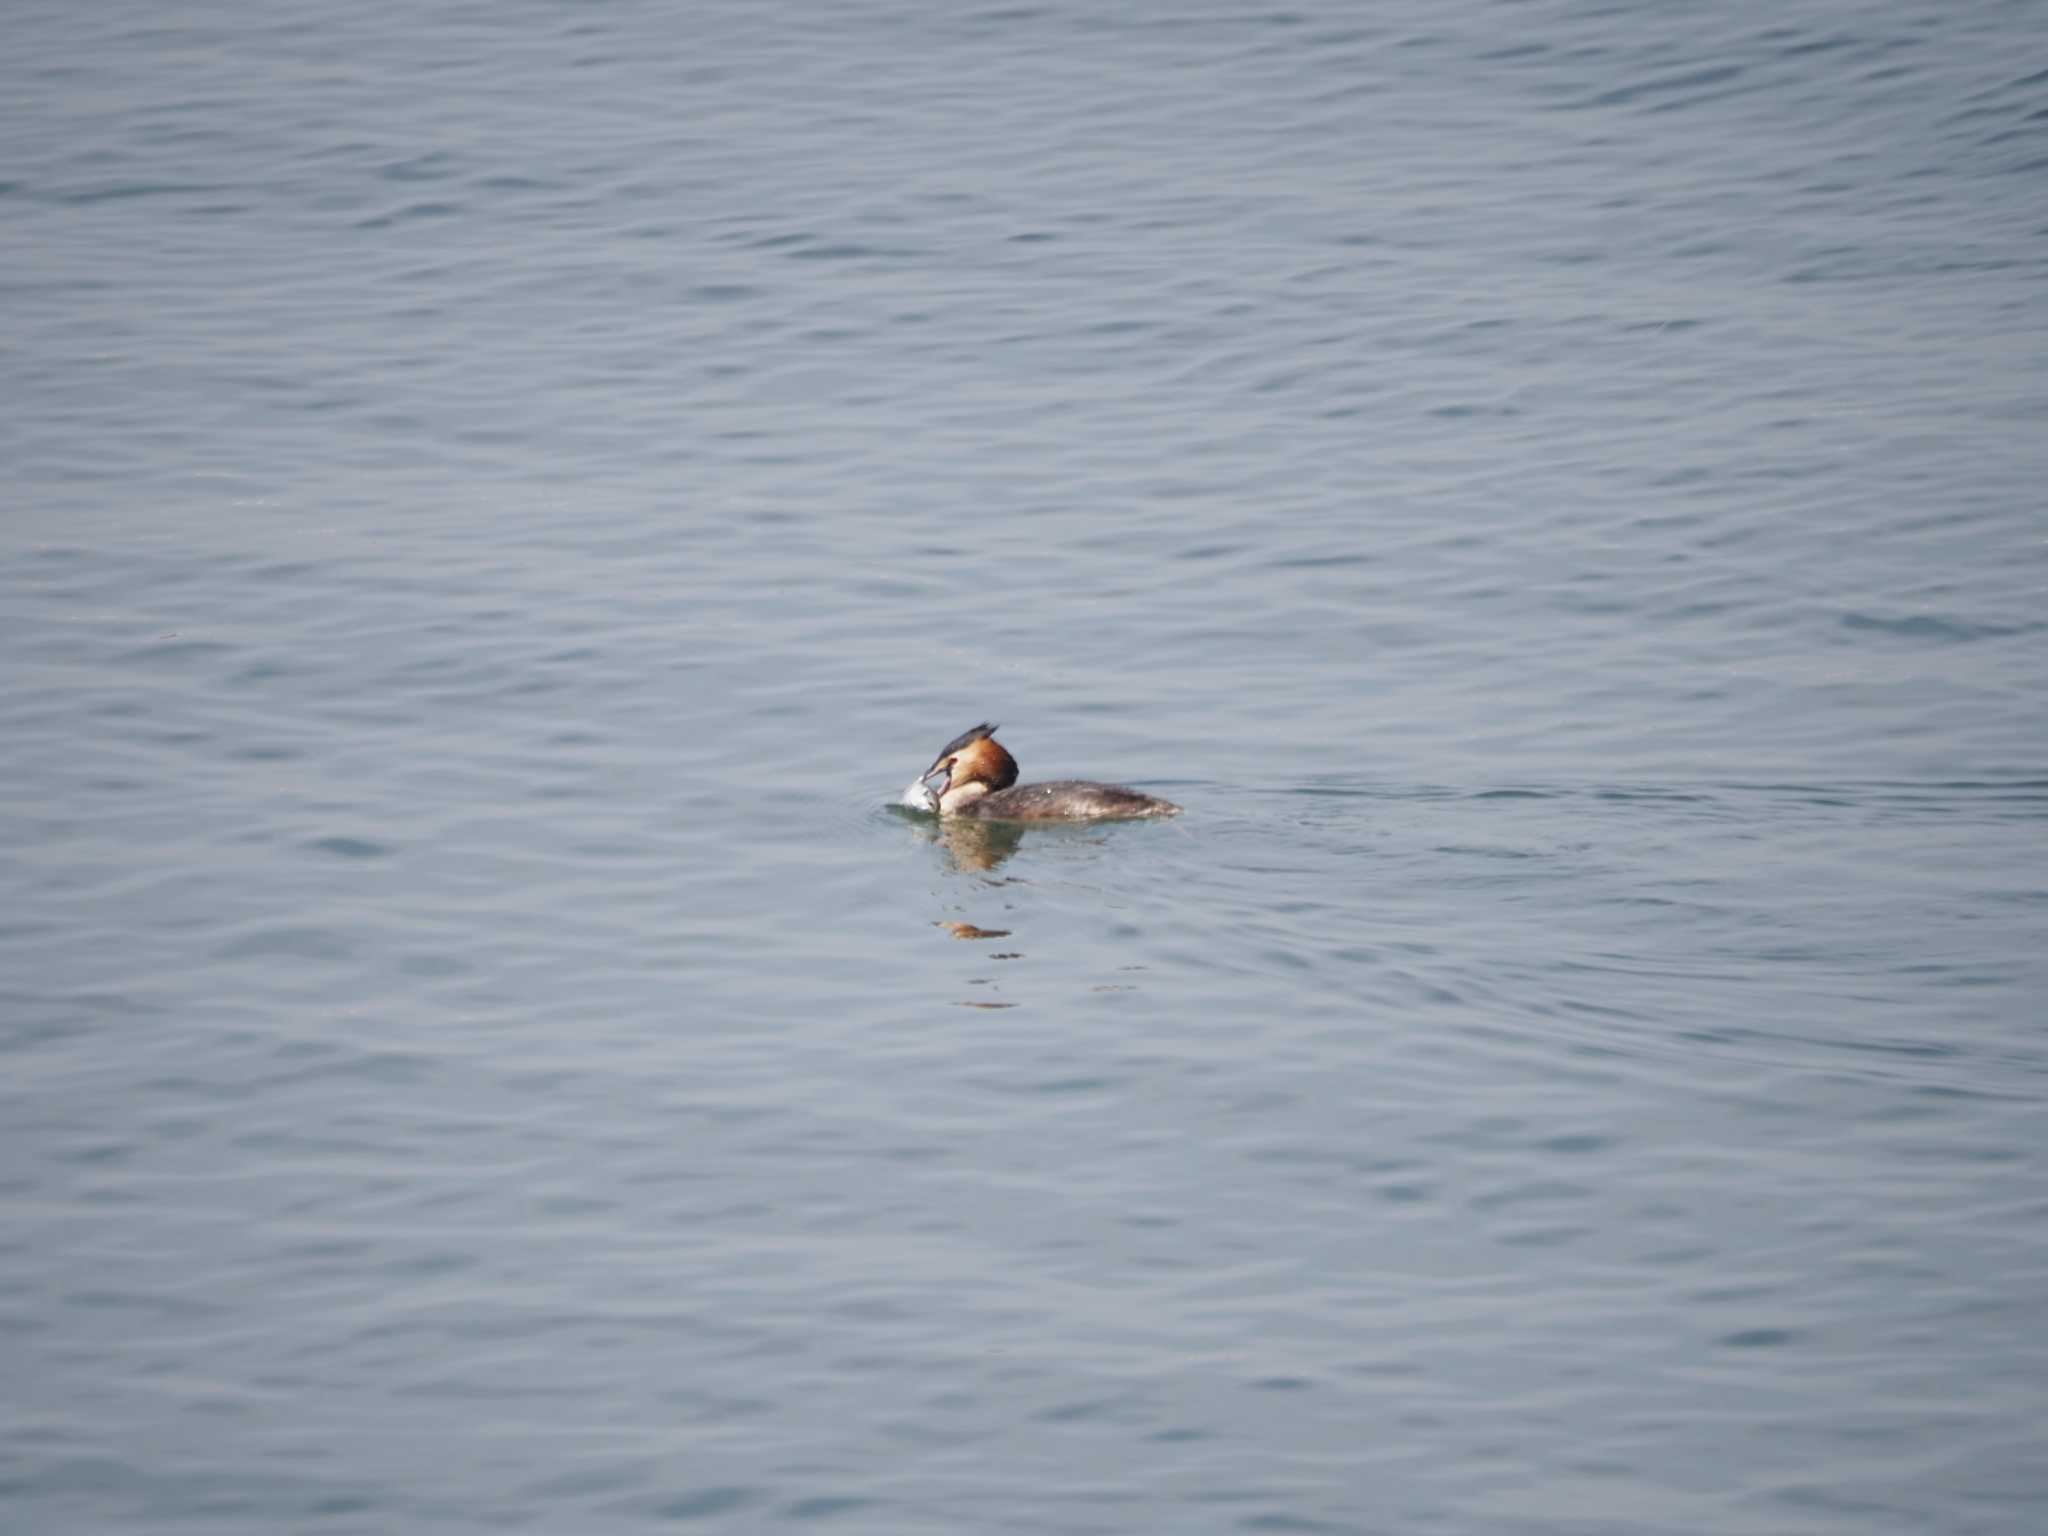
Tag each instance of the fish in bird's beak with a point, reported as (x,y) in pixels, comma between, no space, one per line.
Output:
(921,795)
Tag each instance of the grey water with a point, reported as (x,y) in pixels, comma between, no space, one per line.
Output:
(501,497)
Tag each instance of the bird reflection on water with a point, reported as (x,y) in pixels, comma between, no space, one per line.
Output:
(975,847)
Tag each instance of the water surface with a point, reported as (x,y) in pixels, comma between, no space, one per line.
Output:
(501,499)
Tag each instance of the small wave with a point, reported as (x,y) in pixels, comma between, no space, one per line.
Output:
(1929,626)
(349,847)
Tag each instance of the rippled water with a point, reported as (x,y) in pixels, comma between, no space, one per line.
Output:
(503,496)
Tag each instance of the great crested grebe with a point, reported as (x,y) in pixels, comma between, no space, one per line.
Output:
(977,780)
